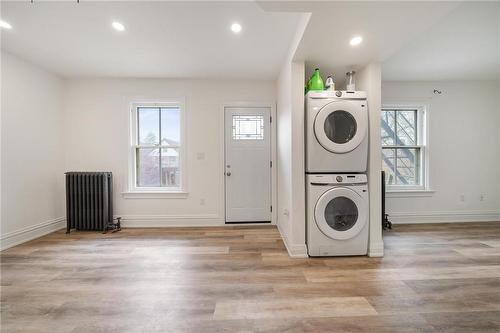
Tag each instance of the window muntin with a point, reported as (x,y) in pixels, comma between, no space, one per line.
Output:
(248,127)
(403,147)
(157,147)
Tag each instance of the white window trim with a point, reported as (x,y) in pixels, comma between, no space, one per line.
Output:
(134,192)
(423,135)
(409,193)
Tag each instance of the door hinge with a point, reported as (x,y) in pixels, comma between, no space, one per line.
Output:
(270,119)
(271,209)
(271,164)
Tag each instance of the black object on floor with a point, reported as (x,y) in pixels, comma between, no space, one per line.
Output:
(89,202)
(386,224)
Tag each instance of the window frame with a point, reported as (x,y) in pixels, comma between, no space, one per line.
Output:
(422,144)
(133,189)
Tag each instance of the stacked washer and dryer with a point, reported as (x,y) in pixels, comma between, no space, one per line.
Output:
(336,182)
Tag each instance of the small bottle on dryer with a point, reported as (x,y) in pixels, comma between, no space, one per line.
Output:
(350,81)
(329,84)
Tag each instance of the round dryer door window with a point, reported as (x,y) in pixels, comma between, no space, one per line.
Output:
(341,126)
(341,213)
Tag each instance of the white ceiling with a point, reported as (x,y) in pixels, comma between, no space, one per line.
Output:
(385,26)
(463,45)
(162,39)
(415,40)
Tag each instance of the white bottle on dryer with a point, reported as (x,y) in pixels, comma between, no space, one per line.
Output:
(329,84)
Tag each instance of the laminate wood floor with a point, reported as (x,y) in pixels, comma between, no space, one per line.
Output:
(433,278)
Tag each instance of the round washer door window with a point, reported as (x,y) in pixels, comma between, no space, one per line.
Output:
(340,213)
(341,126)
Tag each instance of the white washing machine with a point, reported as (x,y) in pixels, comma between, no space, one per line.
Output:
(336,132)
(337,215)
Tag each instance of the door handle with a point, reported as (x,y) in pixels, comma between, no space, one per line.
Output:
(228,173)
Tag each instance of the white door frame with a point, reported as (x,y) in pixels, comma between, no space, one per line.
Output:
(273,127)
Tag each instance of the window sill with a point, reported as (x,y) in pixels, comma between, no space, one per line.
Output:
(409,193)
(154,195)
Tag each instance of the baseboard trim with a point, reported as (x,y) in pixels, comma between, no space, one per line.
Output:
(376,250)
(294,250)
(32,232)
(169,221)
(444,217)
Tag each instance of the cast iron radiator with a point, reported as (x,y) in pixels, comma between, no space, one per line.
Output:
(89,201)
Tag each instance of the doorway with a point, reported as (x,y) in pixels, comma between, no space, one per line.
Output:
(247,164)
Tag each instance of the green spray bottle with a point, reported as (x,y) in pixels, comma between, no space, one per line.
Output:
(316,82)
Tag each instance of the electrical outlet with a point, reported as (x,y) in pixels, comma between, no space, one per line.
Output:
(462,197)
(482,197)
(202,202)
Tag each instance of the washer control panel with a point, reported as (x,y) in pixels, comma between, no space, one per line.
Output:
(346,178)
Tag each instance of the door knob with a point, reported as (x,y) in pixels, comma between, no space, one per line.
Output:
(228,173)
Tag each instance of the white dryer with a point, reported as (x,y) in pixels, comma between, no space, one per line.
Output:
(337,215)
(336,132)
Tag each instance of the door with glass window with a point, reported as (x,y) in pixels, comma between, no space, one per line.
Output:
(247,164)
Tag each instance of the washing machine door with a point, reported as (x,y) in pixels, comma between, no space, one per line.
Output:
(341,213)
(341,126)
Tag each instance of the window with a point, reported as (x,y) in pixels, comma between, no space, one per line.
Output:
(248,127)
(404,147)
(157,148)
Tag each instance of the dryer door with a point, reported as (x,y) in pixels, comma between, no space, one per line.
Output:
(340,213)
(341,126)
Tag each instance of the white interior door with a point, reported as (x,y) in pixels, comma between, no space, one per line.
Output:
(248,164)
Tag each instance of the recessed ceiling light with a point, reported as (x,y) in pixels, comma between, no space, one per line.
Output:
(236,27)
(5,25)
(356,40)
(118,26)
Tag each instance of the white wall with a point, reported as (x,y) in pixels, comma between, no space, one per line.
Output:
(290,152)
(298,155)
(290,147)
(284,149)
(96,134)
(369,79)
(464,148)
(32,151)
